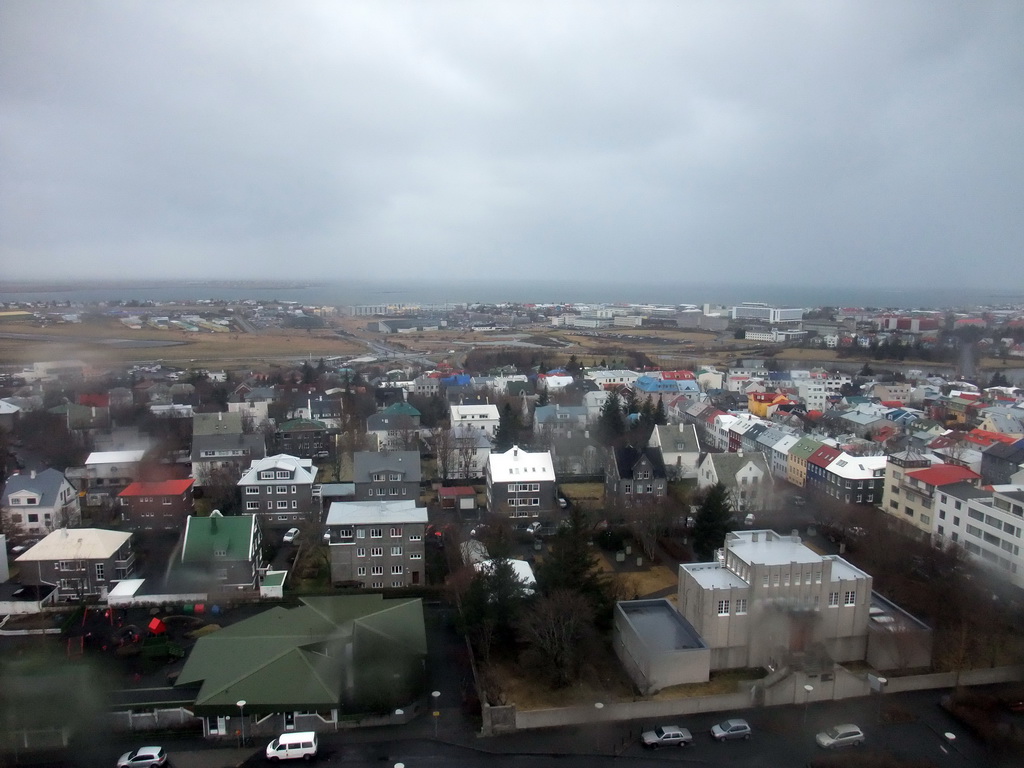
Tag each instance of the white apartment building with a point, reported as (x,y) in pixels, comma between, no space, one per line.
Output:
(988,524)
(478,417)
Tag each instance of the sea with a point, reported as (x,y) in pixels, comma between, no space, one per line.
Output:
(534,291)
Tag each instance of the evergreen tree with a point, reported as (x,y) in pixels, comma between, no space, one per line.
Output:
(572,565)
(660,414)
(714,517)
(543,398)
(492,605)
(610,423)
(507,433)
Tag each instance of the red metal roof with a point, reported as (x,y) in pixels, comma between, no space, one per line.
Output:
(453,491)
(824,456)
(164,488)
(943,474)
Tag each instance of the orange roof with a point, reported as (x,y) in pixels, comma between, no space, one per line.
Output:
(943,474)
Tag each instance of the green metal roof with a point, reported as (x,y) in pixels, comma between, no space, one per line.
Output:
(217,537)
(804,447)
(401,409)
(310,657)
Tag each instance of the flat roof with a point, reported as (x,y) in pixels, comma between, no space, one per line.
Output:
(369,512)
(842,569)
(660,627)
(769,548)
(713,576)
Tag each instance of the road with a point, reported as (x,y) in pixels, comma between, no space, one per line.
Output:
(783,736)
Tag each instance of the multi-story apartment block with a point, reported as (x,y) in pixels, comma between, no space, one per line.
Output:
(817,467)
(225,552)
(163,506)
(521,484)
(377,544)
(280,489)
(79,563)
(224,452)
(856,479)
(987,523)
(483,417)
(107,473)
(911,482)
(307,438)
(768,596)
(391,476)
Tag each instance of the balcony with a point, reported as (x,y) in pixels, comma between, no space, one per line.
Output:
(126,564)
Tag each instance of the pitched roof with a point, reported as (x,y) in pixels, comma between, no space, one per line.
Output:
(627,457)
(307,657)
(304,470)
(45,484)
(165,488)
(365,463)
(943,474)
(218,538)
(516,464)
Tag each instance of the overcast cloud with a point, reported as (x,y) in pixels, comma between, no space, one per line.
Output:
(864,142)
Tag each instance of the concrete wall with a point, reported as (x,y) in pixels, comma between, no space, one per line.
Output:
(787,691)
(651,672)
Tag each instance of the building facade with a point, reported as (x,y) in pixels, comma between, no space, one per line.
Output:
(378,545)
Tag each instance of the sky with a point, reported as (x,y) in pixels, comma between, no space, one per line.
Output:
(774,142)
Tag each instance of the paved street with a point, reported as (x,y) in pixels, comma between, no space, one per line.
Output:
(782,736)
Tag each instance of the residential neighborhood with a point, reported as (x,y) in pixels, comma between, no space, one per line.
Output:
(737,516)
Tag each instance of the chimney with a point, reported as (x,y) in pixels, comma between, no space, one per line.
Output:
(515,452)
(754,536)
(33,474)
(220,416)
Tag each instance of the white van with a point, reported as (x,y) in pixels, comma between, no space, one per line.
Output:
(292,746)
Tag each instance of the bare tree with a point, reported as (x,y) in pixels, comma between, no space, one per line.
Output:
(649,520)
(558,630)
(465,453)
(443,441)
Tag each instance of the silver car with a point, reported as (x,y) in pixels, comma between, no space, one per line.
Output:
(845,735)
(731,729)
(666,736)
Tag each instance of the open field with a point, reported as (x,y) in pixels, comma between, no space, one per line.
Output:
(85,341)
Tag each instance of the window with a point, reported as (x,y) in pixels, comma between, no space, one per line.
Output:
(627,487)
(379,477)
(252,505)
(293,489)
(850,598)
(283,474)
(33,518)
(396,533)
(764,580)
(376,551)
(741,605)
(71,565)
(252,489)
(785,581)
(267,475)
(345,533)
(833,599)
(360,551)
(361,570)
(723,607)
(281,489)
(376,533)
(282,504)
(396,551)
(377,570)
(394,477)
(415,556)
(397,570)
(775,579)
(99,572)
(361,533)
(415,537)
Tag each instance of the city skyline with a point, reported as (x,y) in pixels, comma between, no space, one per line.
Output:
(795,143)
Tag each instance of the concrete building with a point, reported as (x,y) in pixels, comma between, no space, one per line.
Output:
(280,490)
(769,597)
(378,544)
(988,523)
(35,503)
(911,482)
(521,484)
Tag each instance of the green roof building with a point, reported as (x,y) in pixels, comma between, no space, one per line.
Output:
(304,668)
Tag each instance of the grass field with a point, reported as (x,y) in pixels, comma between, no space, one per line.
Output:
(205,350)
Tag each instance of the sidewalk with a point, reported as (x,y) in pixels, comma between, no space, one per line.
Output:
(229,757)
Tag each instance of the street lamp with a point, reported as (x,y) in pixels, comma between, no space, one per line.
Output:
(435,696)
(807,697)
(241,715)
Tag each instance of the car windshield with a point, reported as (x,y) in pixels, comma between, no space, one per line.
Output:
(833,732)
(659,732)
